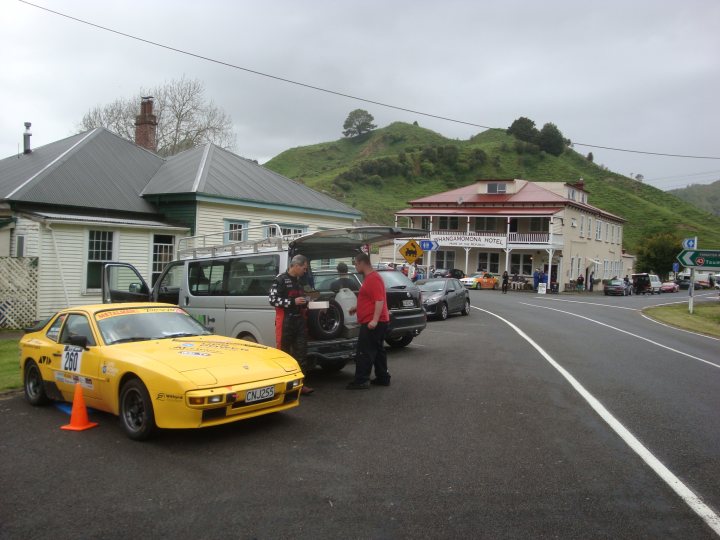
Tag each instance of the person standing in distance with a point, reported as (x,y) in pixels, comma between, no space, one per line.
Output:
(505,279)
(288,297)
(372,314)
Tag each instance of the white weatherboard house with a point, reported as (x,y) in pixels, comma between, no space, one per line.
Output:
(71,205)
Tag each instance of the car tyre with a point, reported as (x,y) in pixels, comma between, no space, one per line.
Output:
(443,312)
(34,386)
(326,323)
(136,410)
(399,341)
(466,309)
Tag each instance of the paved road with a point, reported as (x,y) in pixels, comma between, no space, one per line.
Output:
(479,436)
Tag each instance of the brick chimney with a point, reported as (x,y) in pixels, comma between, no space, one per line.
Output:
(146,125)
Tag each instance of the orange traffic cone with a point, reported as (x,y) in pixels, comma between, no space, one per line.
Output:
(79,417)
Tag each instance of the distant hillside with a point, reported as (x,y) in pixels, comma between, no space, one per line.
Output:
(380,171)
(706,197)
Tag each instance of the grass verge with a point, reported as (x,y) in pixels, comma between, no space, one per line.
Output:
(9,367)
(705,319)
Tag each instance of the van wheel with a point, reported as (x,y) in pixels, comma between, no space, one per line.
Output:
(332,366)
(326,323)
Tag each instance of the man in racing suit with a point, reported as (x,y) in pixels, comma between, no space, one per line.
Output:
(288,297)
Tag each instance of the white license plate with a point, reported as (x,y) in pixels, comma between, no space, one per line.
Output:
(408,303)
(259,394)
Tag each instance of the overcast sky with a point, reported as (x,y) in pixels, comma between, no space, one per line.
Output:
(632,74)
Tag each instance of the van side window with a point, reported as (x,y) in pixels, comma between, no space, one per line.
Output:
(252,275)
(207,278)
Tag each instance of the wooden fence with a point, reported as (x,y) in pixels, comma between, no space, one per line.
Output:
(18,291)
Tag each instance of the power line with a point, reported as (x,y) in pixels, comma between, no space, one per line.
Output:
(681,176)
(327,90)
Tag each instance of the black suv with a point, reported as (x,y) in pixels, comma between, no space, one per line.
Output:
(407,316)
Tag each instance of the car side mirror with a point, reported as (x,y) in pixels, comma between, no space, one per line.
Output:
(78,341)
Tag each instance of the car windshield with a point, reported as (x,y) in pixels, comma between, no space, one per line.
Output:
(142,324)
(395,280)
(435,285)
(616,282)
(477,275)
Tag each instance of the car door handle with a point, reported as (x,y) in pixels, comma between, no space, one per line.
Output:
(57,354)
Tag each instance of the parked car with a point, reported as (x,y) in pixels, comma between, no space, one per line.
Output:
(646,283)
(153,365)
(407,316)
(480,280)
(225,285)
(617,287)
(444,296)
(670,286)
(448,273)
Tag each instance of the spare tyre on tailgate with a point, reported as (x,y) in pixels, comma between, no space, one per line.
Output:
(326,323)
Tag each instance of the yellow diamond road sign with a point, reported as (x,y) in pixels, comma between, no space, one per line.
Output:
(411,251)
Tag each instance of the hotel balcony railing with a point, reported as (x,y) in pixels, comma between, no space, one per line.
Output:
(513,237)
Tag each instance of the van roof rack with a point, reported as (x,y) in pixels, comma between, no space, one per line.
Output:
(267,237)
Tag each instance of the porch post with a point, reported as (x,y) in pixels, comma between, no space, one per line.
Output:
(507,245)
(467,258)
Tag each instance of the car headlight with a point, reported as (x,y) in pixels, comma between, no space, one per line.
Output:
(431,300)
(293,384)
(216,399)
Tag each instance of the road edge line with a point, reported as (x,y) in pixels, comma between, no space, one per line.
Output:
(649,318)
(707,514)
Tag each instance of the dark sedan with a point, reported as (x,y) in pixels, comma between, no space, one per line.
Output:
(618,287)
(443,296)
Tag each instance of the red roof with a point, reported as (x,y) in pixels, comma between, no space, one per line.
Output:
(467,201)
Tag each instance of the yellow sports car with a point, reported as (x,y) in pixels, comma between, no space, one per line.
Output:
(154,366)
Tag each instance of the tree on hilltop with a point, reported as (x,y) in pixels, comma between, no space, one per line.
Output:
(358,122)
(524,129)
(551,140)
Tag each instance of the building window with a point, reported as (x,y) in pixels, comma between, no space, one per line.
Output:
(619,240)
(598,229)
(497,187)
(446,223)
(582,226)
(579,268)
(589,229)
(489,262)
(607,232)
(100,250)
(571,194)
(521,263)
(485,224)
(573,223)
(163,253)
(285,230)
(425,223)
(20,245)
(236,230)
(445,259)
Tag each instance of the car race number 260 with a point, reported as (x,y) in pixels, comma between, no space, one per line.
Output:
(71,358)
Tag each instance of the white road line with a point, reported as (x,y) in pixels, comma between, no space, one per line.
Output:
(686,494)
(680,301)
(679,329)
(626,332)
(591,303)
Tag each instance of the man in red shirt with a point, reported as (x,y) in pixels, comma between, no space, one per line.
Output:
(373,317)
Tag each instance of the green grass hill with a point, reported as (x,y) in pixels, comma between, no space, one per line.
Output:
(380,171)
(705,197)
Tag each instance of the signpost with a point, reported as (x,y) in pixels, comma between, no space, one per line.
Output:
(429,245)
(411,251)
(700,258)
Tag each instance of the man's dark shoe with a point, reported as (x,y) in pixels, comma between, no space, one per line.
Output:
(380,382)
(306,390)
(357,386)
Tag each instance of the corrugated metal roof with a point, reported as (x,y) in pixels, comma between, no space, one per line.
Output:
(479,211)
(95,169)
(55,216)
(211,170)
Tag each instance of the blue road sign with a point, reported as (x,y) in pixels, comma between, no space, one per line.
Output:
(676,267)
(688,243)
(428,245)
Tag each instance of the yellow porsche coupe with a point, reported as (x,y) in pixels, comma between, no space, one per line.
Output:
(155,367)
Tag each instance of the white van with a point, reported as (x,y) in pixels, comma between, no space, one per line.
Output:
(225,285)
